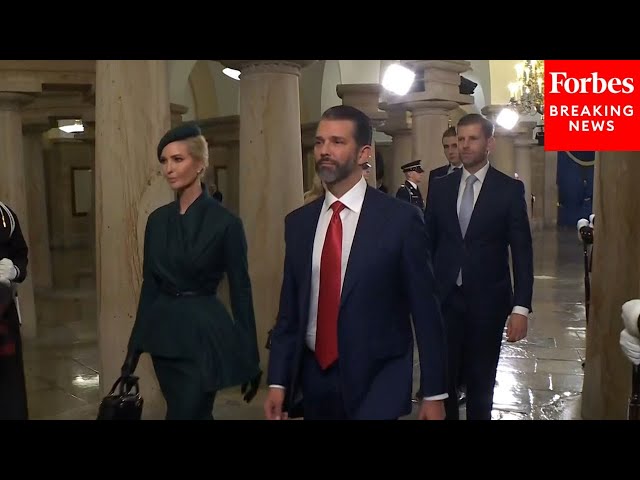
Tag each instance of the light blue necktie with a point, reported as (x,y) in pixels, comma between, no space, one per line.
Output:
(466,209)
(466,205)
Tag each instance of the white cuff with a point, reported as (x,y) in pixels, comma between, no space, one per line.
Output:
(521,310)
(442,396)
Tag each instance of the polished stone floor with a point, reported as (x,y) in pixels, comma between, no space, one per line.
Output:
(538,378)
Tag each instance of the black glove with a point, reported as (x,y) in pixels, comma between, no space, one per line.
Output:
(130,364)
(250,389)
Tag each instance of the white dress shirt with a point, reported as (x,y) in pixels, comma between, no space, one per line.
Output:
(349,216)
(477,186)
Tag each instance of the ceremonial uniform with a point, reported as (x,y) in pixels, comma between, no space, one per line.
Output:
(408,191)
(13,270)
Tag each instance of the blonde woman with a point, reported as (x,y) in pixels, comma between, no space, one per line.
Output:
(196,347)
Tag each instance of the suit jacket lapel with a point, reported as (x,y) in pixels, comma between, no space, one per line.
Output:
(451,204)
(370,226)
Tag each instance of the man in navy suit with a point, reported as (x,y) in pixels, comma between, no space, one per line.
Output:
(356,273)
(450,147)
(475,215)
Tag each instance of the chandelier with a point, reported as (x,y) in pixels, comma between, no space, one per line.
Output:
(527,93)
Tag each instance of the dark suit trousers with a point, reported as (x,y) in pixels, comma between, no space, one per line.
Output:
(473,342)
(182,387)
(322,396)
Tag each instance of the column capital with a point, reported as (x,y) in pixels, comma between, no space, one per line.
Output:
(177,109)
(492,111)
(364,96)
(431,107)
(441,81)
(221,130)
(398,120)
(247,67)
(57,105)
(36,126)
(14,101)
(456,66)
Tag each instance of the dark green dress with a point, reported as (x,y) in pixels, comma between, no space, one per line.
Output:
(179,315)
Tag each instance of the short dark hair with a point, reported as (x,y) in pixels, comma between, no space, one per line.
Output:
(477,119)
(449,132)
(361,122)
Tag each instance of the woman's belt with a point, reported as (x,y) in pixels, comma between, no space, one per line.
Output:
(173,292)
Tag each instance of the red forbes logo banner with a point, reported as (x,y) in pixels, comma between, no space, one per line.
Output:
(591,105)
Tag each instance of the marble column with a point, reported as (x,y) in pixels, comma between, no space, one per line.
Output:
(13,191)
(615,279)
(504,154)
(398,127)
(431,108)
(132,114)
(429,122)
(39,249)
(365,97)
(523,144)
(223,136)
(550,189)
(88,137)
(308,133)
(270,152)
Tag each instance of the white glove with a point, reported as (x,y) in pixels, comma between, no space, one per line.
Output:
(630,346)
(630,314)
(8,271)
(592,218)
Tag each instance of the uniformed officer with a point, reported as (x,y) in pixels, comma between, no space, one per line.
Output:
(14,258)
(409,190)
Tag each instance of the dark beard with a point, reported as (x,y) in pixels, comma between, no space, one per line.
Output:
(339,173)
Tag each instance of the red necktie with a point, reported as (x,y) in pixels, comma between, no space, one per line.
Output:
(329,294)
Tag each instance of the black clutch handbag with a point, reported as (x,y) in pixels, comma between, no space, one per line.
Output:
(125,403)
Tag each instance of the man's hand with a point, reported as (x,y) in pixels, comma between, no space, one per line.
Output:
(516,327)
(273,404)
(431,410)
